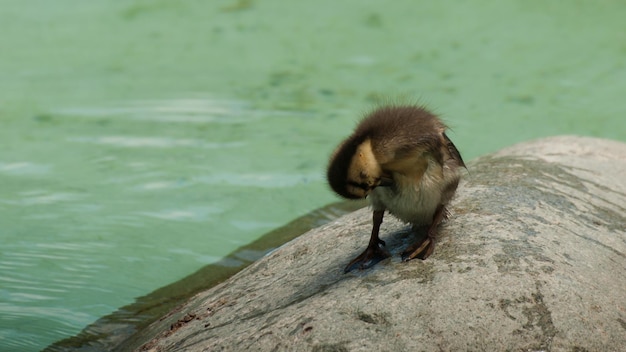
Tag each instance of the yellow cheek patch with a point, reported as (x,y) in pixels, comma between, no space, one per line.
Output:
(364,165)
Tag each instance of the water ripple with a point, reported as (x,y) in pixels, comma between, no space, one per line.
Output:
(23,168)
(39,197)
(265,180)
(190,214)
(153,142)
(200,110)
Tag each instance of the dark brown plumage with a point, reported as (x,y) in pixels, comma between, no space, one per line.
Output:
(402,159)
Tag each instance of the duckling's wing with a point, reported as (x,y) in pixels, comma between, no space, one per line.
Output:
(453,151)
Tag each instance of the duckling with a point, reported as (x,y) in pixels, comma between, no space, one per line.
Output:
(400,158)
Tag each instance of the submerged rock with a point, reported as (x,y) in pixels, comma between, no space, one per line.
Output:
(533,258)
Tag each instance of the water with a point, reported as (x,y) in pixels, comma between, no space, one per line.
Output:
(142,140)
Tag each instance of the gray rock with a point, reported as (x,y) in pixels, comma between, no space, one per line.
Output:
(533,258)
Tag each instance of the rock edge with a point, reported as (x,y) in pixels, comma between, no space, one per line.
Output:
(533,258)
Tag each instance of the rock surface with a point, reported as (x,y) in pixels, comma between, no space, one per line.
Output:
(533,258)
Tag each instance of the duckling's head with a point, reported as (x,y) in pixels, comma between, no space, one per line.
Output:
(353,171)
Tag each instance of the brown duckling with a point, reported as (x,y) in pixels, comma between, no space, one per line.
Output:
(400,158)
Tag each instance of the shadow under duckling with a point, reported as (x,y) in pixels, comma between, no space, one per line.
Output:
(400,158)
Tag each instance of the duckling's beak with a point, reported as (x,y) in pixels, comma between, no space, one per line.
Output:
(386,181)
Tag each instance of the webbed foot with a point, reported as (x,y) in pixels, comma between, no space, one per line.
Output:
(370,257)
(424,248)
(421,250)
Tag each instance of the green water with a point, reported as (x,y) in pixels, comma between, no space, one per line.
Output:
(142,140)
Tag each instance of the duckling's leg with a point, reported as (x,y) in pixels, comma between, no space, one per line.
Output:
(374,252)
(424,248)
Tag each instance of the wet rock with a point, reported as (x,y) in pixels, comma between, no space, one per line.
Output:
(533,258)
